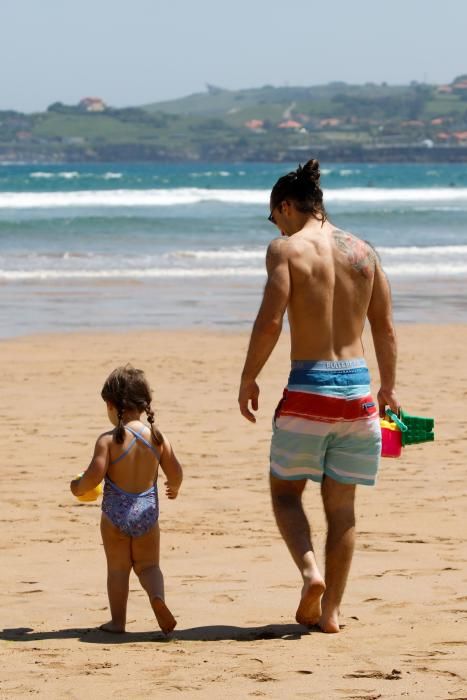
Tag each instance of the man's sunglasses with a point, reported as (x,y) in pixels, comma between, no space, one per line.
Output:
(271,215)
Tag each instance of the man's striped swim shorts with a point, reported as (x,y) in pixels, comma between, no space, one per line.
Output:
(327,424)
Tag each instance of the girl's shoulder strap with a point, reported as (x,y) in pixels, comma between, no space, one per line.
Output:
(139,436)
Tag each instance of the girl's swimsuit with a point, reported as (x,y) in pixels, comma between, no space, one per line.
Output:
(133,513)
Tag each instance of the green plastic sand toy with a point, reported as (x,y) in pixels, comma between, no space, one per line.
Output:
(417,429)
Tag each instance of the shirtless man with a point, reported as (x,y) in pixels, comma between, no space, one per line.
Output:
(326,427)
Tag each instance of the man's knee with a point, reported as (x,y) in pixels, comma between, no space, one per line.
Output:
(286,493)
(338,500)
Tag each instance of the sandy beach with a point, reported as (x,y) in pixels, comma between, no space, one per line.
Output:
(229,579)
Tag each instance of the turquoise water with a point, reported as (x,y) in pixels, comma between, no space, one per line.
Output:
(153,245)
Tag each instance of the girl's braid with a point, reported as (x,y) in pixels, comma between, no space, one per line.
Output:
(157,437)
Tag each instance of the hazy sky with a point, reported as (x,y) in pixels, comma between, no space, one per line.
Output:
(132,52)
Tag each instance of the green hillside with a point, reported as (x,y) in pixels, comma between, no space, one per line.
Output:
(368,101)
(335,121)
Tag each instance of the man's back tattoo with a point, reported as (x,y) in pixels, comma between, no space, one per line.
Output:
(360,254)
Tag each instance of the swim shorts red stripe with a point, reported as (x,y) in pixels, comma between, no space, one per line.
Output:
(328,409)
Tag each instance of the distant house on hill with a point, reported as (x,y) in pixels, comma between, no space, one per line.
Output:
(331,121)
(254,124)
(446,89)
(92,104)
(289,124)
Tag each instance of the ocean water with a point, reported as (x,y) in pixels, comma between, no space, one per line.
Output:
(112,246)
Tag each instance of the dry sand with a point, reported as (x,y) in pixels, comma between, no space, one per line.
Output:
(229,578)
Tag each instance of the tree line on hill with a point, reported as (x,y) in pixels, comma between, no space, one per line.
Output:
(336,121)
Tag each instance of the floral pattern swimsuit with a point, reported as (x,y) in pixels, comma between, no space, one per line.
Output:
(133,513)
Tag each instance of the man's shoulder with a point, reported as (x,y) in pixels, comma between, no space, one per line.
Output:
(279,247)
(341,237)
(358,252)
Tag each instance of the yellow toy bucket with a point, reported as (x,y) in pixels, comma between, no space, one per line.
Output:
(91,495)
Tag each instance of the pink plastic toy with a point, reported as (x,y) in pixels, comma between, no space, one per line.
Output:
(391,439)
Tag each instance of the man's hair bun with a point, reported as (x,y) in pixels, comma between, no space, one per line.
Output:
(310,171)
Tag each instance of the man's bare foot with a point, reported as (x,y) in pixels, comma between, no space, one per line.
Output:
(309,610)
(164,617)
(112,628)
(329,622)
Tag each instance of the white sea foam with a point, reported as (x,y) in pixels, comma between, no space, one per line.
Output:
(193,195)
(378,194)
(129,198)
(412,269)
(211,173)
(409,259)
(456,251)
(73,175)
(427,270)
(346,172)
(223,254)
(126,273)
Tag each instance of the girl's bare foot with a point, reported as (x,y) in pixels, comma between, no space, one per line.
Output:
(112,628)
(309,610)
(164,617)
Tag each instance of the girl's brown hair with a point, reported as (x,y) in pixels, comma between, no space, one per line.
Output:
(127,388)
(302,186)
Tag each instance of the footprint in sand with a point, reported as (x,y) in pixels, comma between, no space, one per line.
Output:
(439,672)
(395,675)
(261,677)
(222,598)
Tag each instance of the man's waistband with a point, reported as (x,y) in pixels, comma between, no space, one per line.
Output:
(330,365)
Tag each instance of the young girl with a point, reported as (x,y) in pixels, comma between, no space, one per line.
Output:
(128,458)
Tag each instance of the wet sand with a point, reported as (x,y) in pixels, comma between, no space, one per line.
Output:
(229,578)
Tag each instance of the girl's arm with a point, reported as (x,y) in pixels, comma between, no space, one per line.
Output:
(96,470)
(172,469)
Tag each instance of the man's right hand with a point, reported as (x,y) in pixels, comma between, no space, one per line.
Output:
(387,397)
(249,391)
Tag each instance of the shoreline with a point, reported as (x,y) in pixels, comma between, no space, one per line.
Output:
(351,152)
(28,309)
(210,330)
